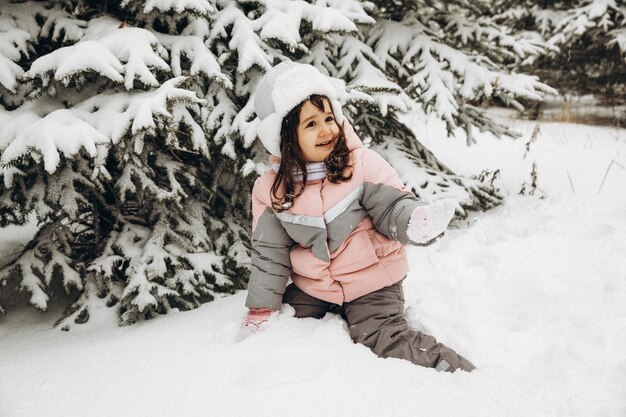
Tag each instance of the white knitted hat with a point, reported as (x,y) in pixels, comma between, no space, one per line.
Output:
(282,88)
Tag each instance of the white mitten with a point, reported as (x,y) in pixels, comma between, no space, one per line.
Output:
(428,222)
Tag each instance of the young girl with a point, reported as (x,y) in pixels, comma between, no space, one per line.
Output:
(334,217)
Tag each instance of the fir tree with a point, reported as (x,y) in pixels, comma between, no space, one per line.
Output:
(128,128)
(586,43)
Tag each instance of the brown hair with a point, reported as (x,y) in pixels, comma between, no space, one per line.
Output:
(292,160)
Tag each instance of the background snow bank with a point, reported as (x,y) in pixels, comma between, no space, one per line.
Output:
(532,292)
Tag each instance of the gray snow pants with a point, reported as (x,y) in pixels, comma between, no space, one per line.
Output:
(376,320)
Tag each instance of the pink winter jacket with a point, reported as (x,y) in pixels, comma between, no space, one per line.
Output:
(337,242)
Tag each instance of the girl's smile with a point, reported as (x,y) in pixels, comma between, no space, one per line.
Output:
(326,143)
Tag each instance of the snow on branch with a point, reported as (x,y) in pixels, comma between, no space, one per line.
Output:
(192,224)
(218,119)
(59,263)
(320,56)
(100,120)
(30,266)
(147,264)
(604,14)
(39,266)
(363,67)
(331,20)
(282,21)
(8,175)
(434,83)
(17,17)
(64,63)
(195,50)
(22,25)
(356,11)
(193,7)
(245,124)
(251,50)
(545,19)
(282,26)
(441,76)
(42,20)
(340,16)
(364,71)
(61,192)
(61,132)
(484,32)
(116,114)
(122,54)
(13,45)
(31,283)
(424,182)
(110,260)
(61,26)
(618,38)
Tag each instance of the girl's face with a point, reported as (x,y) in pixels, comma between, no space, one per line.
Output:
(317,132)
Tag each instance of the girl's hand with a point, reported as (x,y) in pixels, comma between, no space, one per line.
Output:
(429,222)
(255,320)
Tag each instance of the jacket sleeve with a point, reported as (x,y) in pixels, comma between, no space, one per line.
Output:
(386,199)
(271,265)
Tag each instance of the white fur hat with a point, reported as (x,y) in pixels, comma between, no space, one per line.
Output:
(282,88)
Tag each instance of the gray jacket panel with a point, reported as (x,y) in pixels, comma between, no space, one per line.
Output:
(271,264)
(390,210)
(342,225)
(307,231)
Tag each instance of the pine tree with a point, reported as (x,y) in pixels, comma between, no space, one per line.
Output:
(585,39)
(128,128)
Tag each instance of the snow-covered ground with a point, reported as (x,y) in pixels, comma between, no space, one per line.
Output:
(533,292)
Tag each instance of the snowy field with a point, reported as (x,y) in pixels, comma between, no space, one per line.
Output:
(533,293)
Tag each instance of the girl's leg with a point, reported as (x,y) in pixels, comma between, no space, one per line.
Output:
(304,304)
(376,320)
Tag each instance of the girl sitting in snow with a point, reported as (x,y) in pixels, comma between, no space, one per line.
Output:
(334,217)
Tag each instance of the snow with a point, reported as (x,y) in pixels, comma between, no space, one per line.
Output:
(60,25)
(277,24)
(48,134)
(9,73)
(71,60)
(439,73)
(202,60)
(60,132)
(200,7)
(532,292)
(108,50)
(577,21)
(328,19)
(618,37)
(250,49)
(13,43)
